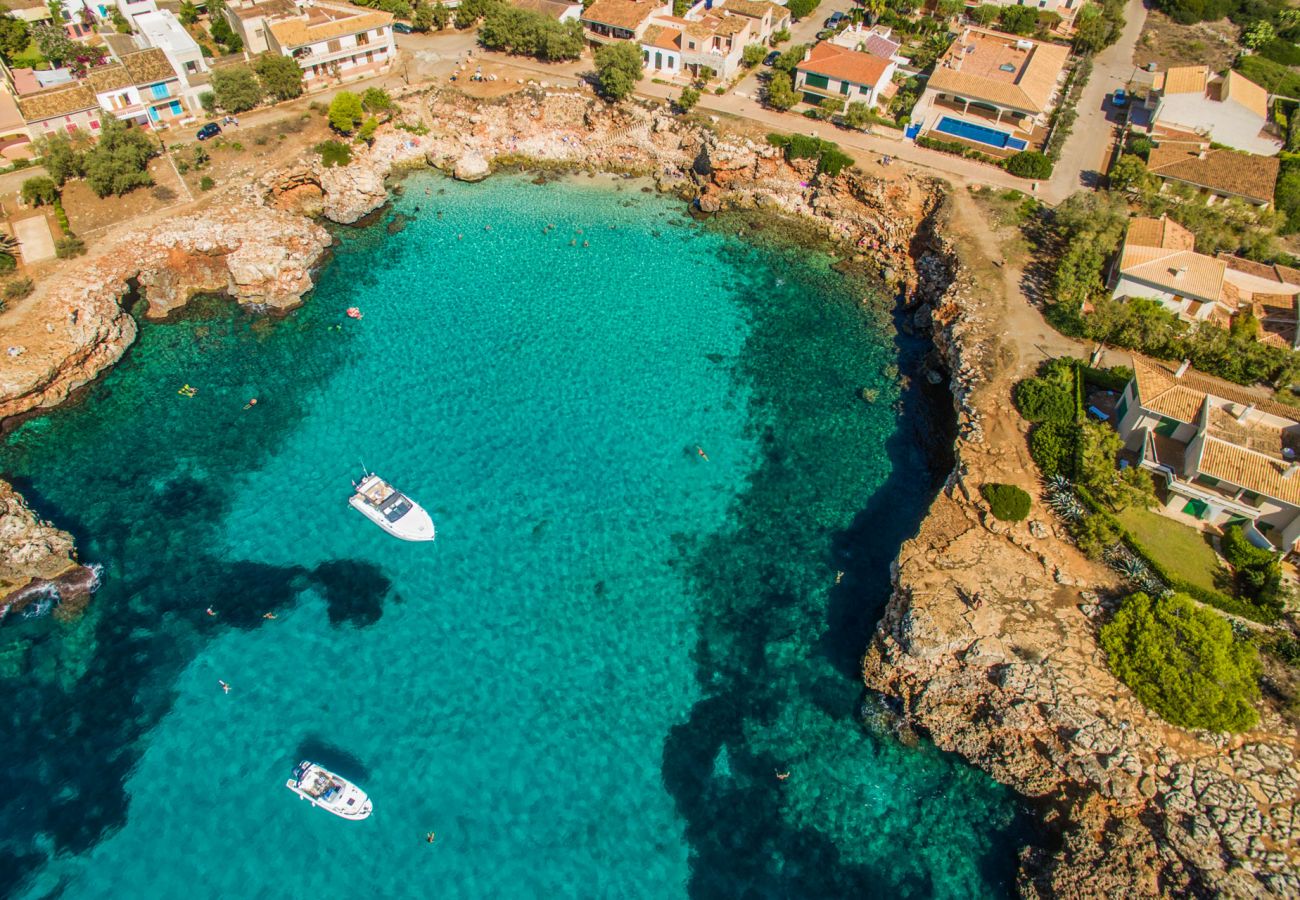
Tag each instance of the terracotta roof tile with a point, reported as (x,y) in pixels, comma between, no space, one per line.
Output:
(62,101)
(324,22)
(1184,396)
(1250,470)
(1162,232)
(974,67)
(847,65)
(627,14)
(1186,80)
(1226,171)
(1240,89)
(148,66)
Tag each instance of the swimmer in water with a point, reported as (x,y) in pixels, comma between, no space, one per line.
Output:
(704,456)
(428,837)
(224,687)
(210,611)
(782,776)
(269,615)
(251,403)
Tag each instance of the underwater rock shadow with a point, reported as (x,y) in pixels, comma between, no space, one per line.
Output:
(354,591)
(333,757)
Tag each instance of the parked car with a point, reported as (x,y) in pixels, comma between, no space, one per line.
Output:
(771,58)
(1119,99)
(402,28)
(834,19)
(210,130)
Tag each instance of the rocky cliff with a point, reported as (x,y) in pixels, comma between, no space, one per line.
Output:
(990,644)
(74,326)
(36,558)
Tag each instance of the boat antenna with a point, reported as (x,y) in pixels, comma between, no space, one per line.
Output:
(363,466)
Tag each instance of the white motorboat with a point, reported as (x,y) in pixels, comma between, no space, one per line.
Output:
(391,510)
(329,791)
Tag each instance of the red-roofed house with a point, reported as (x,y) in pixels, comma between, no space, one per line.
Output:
(839,73)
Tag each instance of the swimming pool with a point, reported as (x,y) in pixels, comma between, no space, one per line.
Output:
(979,133)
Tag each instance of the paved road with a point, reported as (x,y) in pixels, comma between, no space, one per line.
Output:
(1084,156)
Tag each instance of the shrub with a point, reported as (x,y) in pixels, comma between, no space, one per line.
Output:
(206,183)
(377,100)
(800,9)
(752,55)
(832,161)
(1257,575)
(40,191)
(690,96)
(69,246)
(1029,163)
(367,130)
(618,69)
(1052,445)
(18,288)
(208,101)
(345,112)
(333,153)
(1183,662)
(780,36)
(1042,400)
(1007,502)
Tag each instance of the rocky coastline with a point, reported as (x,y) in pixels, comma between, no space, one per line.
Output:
(989,646)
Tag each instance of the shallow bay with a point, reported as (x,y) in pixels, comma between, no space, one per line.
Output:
(587,685)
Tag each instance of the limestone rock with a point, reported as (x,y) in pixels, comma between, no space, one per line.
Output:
(471,166)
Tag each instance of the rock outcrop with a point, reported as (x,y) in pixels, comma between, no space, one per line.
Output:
(989,642)
(74,326)
(472,166)
(36,559)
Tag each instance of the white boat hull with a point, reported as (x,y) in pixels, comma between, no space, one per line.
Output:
(345,799)
(416,525)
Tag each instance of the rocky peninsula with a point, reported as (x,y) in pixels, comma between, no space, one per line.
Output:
(989,642)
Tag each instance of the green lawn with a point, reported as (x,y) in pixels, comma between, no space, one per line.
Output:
(1180,548)
(30,59)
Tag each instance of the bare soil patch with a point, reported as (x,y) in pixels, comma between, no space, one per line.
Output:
(1167,43)
(88,214)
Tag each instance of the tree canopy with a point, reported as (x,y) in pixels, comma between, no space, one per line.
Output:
(236,88)
(1183,662)
(119,161)
(345,112)
(14,36)
(529,33)
(618,69)
(280,75)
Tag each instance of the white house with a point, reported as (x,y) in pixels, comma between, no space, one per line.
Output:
(140,87)
(130,8)
(164,31)
(331,42)
(1227,455)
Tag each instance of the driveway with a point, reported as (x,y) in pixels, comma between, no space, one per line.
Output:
(34,238)
(1083,159)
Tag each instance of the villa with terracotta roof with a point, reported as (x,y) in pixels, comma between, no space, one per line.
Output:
(1227,454)
(607,21)
(831,71)
(1215,173)
(1159,261)
(705,38)
(1231,110)
(992,90)
(332,43)
(68,108)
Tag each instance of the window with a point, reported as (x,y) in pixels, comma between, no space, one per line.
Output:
(1122,409)
(363,38)
(159,91)
(844,87)
(333,47)
(191,67)
(817,81)
(176,107)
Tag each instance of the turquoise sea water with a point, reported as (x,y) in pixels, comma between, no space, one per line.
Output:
(586,686)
